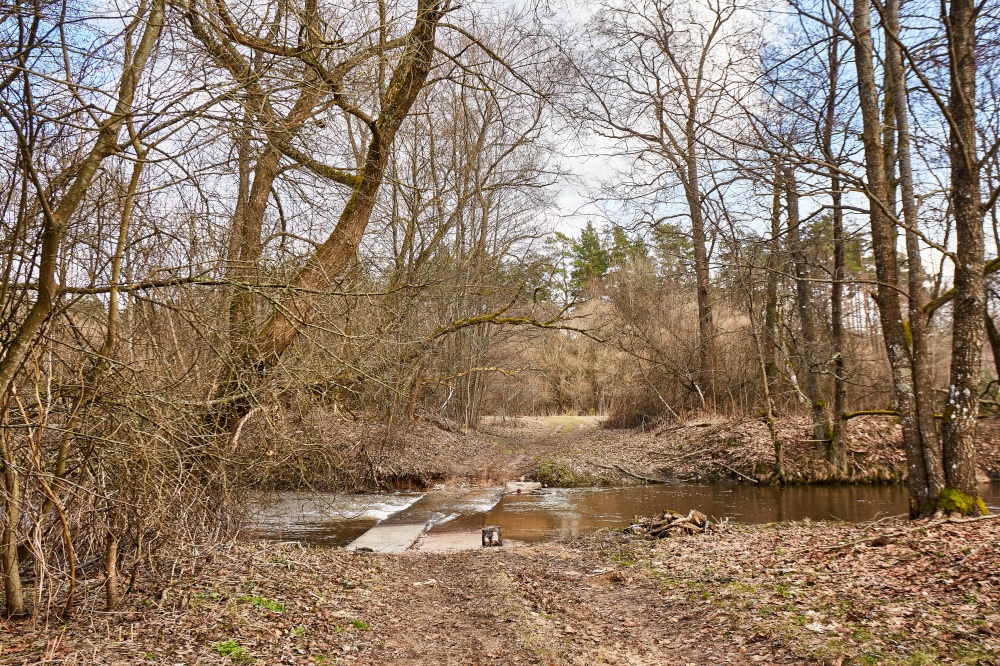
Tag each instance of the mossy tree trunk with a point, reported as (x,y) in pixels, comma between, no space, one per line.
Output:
(969,303)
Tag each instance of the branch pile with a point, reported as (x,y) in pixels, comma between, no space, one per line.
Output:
(671,524)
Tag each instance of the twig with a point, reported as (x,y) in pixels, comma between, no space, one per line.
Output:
(893,535)
(628,473)
(682,457)
(737,473)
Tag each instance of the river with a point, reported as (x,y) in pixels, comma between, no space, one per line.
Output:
(339,519)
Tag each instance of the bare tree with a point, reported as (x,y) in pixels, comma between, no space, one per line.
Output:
(655,75)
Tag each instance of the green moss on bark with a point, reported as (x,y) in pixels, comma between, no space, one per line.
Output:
(953,499)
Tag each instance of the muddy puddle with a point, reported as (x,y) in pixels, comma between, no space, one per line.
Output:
(561,512)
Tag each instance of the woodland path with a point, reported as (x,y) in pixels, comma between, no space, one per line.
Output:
(540,605)
(544,435)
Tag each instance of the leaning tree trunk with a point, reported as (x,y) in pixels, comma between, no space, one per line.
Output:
(333,256)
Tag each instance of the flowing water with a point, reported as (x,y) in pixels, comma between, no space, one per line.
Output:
(339,519)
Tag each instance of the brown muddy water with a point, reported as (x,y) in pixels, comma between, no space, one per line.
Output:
(562,512)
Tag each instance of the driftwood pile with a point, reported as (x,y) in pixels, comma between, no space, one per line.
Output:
(671,524)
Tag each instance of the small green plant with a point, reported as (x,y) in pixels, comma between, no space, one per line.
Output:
(233,650)
(299,631)
(263,602)
(359,624)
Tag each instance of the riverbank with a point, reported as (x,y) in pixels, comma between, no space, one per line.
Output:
(889,592)
(576,451)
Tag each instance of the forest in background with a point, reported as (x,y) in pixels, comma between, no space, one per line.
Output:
(225,221)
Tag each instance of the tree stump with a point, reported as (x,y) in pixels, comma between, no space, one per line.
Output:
(492,537)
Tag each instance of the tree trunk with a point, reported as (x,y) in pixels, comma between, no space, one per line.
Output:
(969,303)
(706,328)
(246,226)
(837,451)
(803,298)
(886,270)
(779,460)
(9,561)
(994,337)
(769,345)
(923,386)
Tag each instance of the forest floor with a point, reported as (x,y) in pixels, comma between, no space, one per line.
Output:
(888,592)
(572,451)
